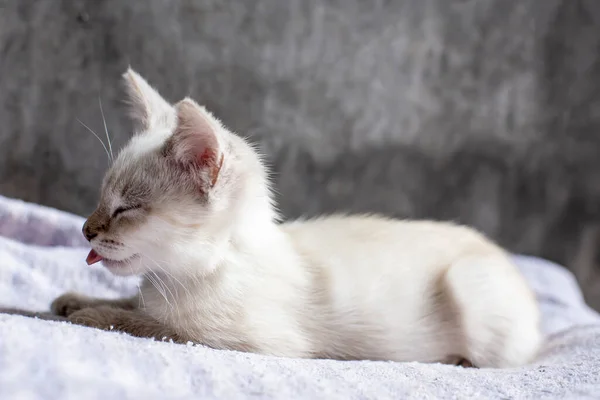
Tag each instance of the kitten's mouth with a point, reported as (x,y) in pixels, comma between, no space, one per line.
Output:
(93,258)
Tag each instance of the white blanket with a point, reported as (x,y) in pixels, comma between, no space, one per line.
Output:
(42,255)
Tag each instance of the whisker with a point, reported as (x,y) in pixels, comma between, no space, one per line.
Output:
(141,299)
(158,288)
(171,276)
(165,286)
(97,137)
(171,279)
(106,130)
(151,280)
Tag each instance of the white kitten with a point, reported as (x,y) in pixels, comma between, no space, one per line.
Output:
(187,204)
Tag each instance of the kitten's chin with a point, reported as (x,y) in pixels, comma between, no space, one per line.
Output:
(130,266)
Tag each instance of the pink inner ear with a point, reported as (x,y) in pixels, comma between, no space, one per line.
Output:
(195,147)
(215,172)
(207,160)
(195,140)
(207,157)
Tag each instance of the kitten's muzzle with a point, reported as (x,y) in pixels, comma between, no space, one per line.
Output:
(95,224)
(88,233)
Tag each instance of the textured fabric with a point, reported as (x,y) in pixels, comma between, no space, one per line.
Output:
(41,256)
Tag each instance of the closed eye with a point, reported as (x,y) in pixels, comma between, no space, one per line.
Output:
(121,210)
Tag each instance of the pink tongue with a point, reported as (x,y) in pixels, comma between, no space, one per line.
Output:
(93,257)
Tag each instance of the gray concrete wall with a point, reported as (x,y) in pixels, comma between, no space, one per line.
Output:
(485,112)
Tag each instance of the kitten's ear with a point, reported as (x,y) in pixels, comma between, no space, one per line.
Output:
(148,107)
(196,143)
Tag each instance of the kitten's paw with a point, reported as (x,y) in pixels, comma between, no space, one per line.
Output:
(465,363)
(97,317)
(459,362)
(68,303)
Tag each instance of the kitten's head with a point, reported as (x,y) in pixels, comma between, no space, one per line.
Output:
(177,192)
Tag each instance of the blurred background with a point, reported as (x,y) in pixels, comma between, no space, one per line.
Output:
(485,112)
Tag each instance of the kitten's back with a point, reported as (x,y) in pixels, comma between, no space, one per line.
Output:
(405,283)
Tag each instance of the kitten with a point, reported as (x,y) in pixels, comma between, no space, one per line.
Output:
(187,204)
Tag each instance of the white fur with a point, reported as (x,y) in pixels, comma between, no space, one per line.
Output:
(346,287)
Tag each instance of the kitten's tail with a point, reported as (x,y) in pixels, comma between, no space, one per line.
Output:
(498,315)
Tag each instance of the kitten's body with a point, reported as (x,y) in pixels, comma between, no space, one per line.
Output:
(338,287)
(359,288)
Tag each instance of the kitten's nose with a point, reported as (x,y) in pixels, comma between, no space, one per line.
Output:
(87,232)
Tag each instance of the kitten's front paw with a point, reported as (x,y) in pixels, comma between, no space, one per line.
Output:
(68,303)
(97,317)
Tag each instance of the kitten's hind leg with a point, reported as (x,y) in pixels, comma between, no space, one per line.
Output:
(69,303)
(497,314)
(458,361)
(465,363)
